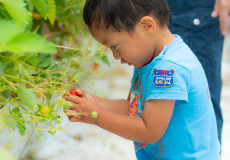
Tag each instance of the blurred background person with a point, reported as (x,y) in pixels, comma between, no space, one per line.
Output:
(203,26)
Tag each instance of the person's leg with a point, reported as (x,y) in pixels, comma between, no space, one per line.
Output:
(207,44)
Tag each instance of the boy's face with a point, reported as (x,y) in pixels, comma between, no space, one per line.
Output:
(134,49)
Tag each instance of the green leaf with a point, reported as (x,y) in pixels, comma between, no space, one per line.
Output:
(13,39)
(21,128)
(52,11)
(27,98)
(29,7)
(67,2)
(46,62)
(10,124)
(33,60)
(4,95)
(105,60)
(41,6)
(30,42)
(8,30)
(2,67)
(42,57)
(4,14)
(17,112)
(17,10)
(30,71)
(5,154)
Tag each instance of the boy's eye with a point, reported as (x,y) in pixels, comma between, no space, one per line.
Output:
(114,46)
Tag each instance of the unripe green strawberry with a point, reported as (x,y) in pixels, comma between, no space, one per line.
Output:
(74,63)
(45,110)
(61,128)
(52,131)
(94,114)
(67,104)
(59,120)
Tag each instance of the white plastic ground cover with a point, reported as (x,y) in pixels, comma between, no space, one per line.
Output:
(16,143)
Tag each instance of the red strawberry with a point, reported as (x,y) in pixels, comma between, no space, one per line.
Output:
(74,93)
(95,66)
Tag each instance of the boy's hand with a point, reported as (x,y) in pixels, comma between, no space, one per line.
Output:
(84,107)
(81,93)
(222,10)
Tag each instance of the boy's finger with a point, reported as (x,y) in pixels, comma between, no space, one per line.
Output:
(74,99)
(79,92)
(68,111)
(74,107)
(75,119)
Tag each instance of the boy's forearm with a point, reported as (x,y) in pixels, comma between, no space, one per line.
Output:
(119,106)
(129,127)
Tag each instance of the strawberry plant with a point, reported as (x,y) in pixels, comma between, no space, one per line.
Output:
(43,55)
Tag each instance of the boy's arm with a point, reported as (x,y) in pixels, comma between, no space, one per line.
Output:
(148,129)
(119,106)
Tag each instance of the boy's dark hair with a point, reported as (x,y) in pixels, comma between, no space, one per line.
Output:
(123,14)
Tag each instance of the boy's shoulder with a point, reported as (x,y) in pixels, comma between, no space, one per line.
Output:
(178,53)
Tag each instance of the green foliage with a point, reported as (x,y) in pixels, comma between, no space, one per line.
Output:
(14,39)
(43,54)
(10,124)
(4,14)
(42,7)
(27,98)
(52,11)
(2,68)
(105,60)
(21,128)
(17,10)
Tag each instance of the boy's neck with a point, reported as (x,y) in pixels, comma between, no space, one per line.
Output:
(163,38)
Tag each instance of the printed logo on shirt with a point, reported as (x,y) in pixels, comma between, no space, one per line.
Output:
(149,151)
(163,78)
(133,106)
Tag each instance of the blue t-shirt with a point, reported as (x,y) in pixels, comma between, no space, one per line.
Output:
(176,74)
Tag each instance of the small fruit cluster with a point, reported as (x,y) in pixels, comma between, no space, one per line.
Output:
(74,93)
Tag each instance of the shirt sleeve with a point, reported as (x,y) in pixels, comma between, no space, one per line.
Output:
(169,81)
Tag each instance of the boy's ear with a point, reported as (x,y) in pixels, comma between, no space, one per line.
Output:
(147,24)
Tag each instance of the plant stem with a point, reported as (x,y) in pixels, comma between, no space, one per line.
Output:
(70,48)
(10,83)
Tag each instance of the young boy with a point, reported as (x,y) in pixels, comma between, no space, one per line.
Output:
(168,114)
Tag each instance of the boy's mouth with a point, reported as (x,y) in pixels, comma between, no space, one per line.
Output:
(123,61)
